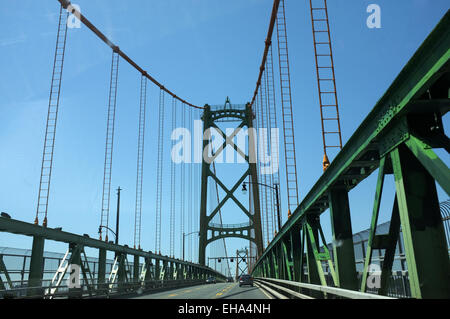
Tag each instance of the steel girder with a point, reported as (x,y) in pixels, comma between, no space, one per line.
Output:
(398,136)
(78,243)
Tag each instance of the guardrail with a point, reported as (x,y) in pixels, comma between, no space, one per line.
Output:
(22,291)
(297,290)
(120,277)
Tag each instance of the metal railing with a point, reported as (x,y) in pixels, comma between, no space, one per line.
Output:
(298,290)
(94,290)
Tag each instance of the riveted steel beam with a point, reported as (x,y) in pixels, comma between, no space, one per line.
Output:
(428,67)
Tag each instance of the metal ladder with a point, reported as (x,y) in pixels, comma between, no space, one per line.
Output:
(52,116)
(326,80)
(286,106)
(109,144)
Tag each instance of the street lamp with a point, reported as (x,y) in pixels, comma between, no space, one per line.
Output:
(100,230)
(184,235)
(275,187)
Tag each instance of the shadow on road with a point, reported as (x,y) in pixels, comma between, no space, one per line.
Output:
(239,293)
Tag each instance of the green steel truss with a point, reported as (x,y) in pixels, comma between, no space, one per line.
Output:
(397,137)
(210,119)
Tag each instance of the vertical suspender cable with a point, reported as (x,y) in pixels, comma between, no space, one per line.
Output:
(286,107)
(159,173)
(182,188)
(197,178)
(190,202)
(172,184)
(109,144)
(52,116)
(272,113)
(268,138)
(140,164)
(262,151)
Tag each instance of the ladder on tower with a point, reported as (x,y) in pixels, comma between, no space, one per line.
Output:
(326,80)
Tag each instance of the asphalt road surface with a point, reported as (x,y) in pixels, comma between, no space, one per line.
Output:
(211,291)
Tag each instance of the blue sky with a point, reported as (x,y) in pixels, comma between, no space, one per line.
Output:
(203,50)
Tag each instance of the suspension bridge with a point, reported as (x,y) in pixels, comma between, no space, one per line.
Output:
(290,259)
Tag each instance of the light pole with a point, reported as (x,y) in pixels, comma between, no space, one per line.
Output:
(117,216)
(100,230)
(275,187)
(184,235)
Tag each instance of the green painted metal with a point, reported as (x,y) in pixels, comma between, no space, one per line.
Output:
(4,271)
(40,234)
(296,253)
(422,227)
(374,222)
(77,244)
(286,262)
(136,267)
(314,228)
(157,270)
(431,162)
(122,273)
(391,244)
(313,270)
(302,253)
(344,254)
(405,115)
(210,118)
(36,265)
(426,67)
(274,262)
(101,277)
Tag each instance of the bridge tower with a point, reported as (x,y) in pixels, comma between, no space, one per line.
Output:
(210,232)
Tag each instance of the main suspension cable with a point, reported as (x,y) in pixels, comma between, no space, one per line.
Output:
(268,42)
(67,5)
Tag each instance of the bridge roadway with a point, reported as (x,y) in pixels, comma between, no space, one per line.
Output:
(229,290)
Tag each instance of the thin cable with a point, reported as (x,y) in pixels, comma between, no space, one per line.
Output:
(140,164)
(52,116)
(159,173)
(172,184)
(182,189)
(109,145)
(286,107)
(273,123)
(190,184)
